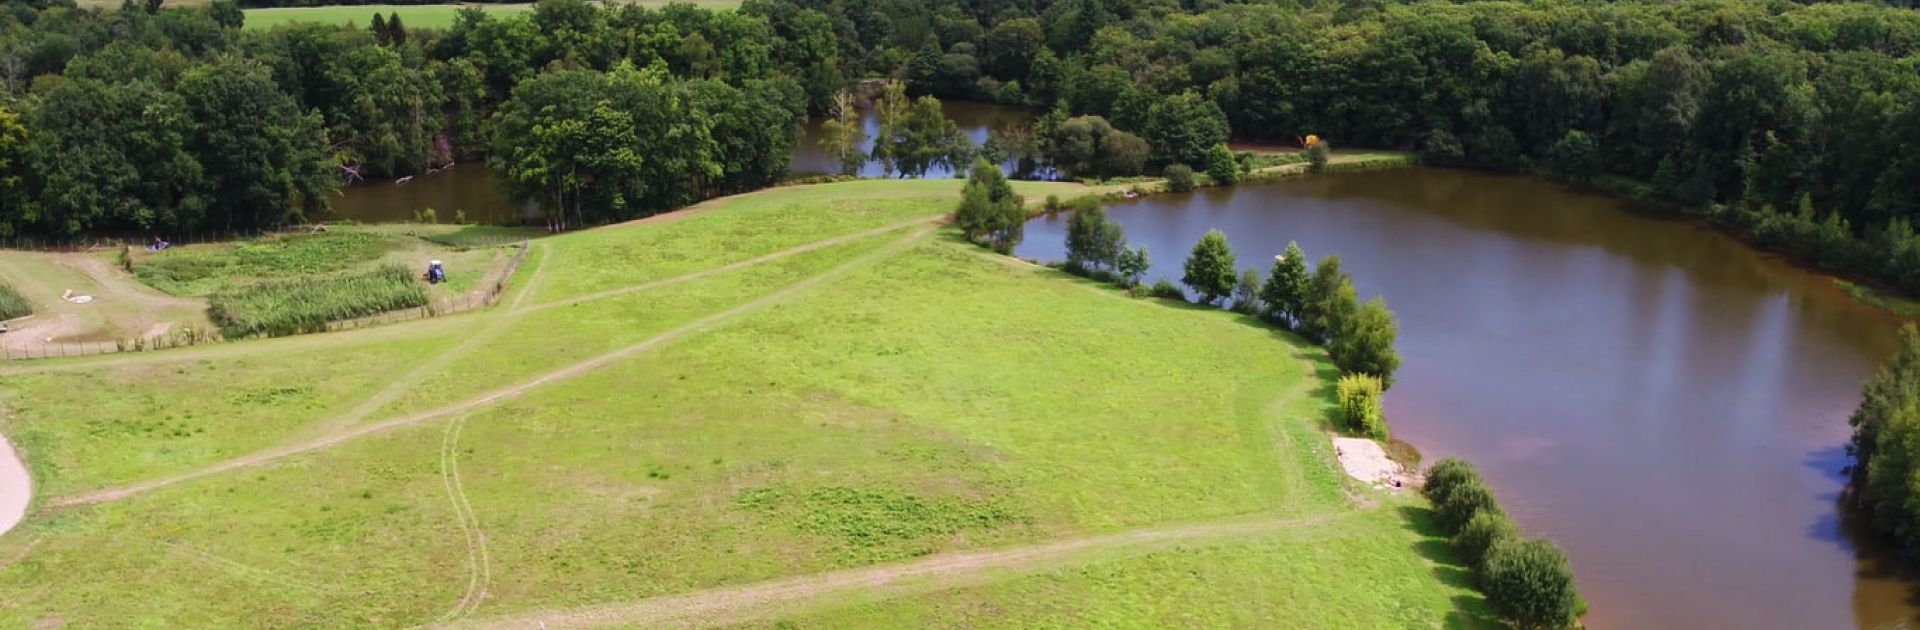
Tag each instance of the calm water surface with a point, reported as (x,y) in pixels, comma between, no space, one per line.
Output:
(1667,404)
(471,186)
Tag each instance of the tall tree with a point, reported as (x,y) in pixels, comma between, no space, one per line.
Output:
(1285,291)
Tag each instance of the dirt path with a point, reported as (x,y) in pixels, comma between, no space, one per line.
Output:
(490,398)
(751,602)
(16,487)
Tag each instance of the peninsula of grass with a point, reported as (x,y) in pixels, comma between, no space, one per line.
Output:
(798,382)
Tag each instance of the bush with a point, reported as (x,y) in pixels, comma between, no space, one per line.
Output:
(1461,502)
(1221,167)
(1529,584)
(1246,294)
(306,304)
(12,304)
(1444,475)
(1179,177)
(1209,269)
(1482,531)
(1164,289)
(1318,155)
(1359,396)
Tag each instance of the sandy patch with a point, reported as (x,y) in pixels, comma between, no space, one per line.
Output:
(1365,460)
(15,487)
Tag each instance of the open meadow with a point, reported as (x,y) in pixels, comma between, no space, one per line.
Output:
(806,407)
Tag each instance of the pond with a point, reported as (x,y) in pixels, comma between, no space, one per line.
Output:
(471,187)
(1667,404)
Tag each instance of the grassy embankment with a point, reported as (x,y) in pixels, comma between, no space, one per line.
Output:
(775,385)
(294,283)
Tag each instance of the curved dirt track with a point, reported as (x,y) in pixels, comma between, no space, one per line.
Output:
(16,487)
(755,602)
(495,396)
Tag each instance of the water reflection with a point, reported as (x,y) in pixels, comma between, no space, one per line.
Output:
(1645,392)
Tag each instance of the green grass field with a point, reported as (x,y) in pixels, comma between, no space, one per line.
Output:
(804,407)
(415,16)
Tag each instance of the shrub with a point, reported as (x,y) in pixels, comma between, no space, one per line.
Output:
(1462,502)
(1053,203)
(306,304)
(1164,289)
(1246,294)
(1221,167)
(1444,475)
(1179,177)
(1364,344)
(1359,396)
(1482,531)
(1318,155)
(1529,584)
(1132,264)
(12,304)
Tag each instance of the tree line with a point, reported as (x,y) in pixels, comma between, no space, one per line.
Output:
(1796,121)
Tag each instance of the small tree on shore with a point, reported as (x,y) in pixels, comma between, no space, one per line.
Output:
(1318,155)
(1311,318)
(1179,177)
(1445,475)
(1132,264)
(1530,585)
(1461,502)
(1359,397)
(1209,269)
(989,210)
(1246,294)
(1365,344)
(1093,241)
(1286,287)
(1482,531)
(1221,166)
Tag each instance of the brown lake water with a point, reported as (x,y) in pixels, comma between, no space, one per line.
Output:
(1667,404)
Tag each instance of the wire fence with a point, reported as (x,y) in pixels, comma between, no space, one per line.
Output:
(187,337)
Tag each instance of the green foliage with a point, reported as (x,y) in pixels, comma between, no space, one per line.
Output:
(1461,501)
(1359,398)
(1183,127)
(1132,264)
(306,304)
(1221,167)
(1529,584)
(1209,268)
(915,136)
(1087,146)
(1285,292)
(1886,442)
(1165,289)
(12,304)
(1364,344)
(844,134)
(1318,155)
(1482,531)
(1445,475)
(1314,319)
(1179,177)
(989,210)
(1093,241)
(1575,157)
(1246,293)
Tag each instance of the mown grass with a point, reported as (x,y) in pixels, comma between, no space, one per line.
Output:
(305,304)
(941,398)
(12,304)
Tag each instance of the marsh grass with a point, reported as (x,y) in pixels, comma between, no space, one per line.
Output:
(306,304)
(196,271)
(12,304)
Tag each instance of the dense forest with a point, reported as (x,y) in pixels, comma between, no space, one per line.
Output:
(1797,122)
